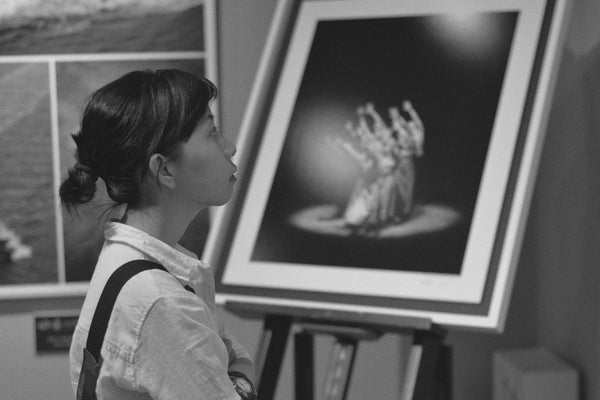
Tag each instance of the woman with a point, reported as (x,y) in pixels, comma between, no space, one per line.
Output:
(151,138)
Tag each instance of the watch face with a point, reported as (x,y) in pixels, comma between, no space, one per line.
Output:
(242,384)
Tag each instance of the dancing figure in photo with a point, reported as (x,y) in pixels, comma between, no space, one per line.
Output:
(386,155)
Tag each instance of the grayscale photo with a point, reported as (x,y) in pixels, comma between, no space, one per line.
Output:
(28,249)
(100,26)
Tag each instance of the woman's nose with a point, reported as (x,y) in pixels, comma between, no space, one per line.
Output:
(228,147)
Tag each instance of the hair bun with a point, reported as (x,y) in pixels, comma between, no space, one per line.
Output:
(79,187)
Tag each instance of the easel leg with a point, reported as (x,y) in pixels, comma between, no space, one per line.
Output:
(270,354)
(340,369)
(443,374)
(428,370)
(304,365)
(430,343)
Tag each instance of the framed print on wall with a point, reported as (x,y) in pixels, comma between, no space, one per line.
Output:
(388,155)
(52,57)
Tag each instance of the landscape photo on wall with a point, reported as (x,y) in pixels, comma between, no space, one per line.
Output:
(53,55)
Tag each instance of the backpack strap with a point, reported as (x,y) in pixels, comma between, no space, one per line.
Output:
(107,301)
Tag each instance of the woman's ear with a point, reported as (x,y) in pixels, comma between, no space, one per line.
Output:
(162,170)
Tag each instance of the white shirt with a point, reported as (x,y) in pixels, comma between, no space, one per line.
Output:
(162,341)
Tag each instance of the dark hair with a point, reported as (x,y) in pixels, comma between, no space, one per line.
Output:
(124,123)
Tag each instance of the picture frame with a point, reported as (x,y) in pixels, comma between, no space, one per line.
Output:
(387,158)
(46,74)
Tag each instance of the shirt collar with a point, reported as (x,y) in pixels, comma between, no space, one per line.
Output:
(180,262)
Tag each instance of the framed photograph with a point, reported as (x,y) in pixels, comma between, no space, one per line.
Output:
(388,156)
(52,57)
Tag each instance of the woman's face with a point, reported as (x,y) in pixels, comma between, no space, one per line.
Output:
(205,172)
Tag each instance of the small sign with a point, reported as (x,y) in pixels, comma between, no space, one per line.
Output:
(53,334)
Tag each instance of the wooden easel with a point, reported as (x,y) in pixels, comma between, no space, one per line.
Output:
(428,369)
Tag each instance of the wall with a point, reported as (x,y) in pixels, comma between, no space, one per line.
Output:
(556,296)
(565,225)
(23,373)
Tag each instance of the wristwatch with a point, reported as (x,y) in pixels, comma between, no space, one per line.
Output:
(242,385)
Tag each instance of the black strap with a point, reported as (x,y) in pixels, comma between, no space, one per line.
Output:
(107,301)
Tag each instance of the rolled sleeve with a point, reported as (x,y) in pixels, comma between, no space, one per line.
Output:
(239,358)
(181,355)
